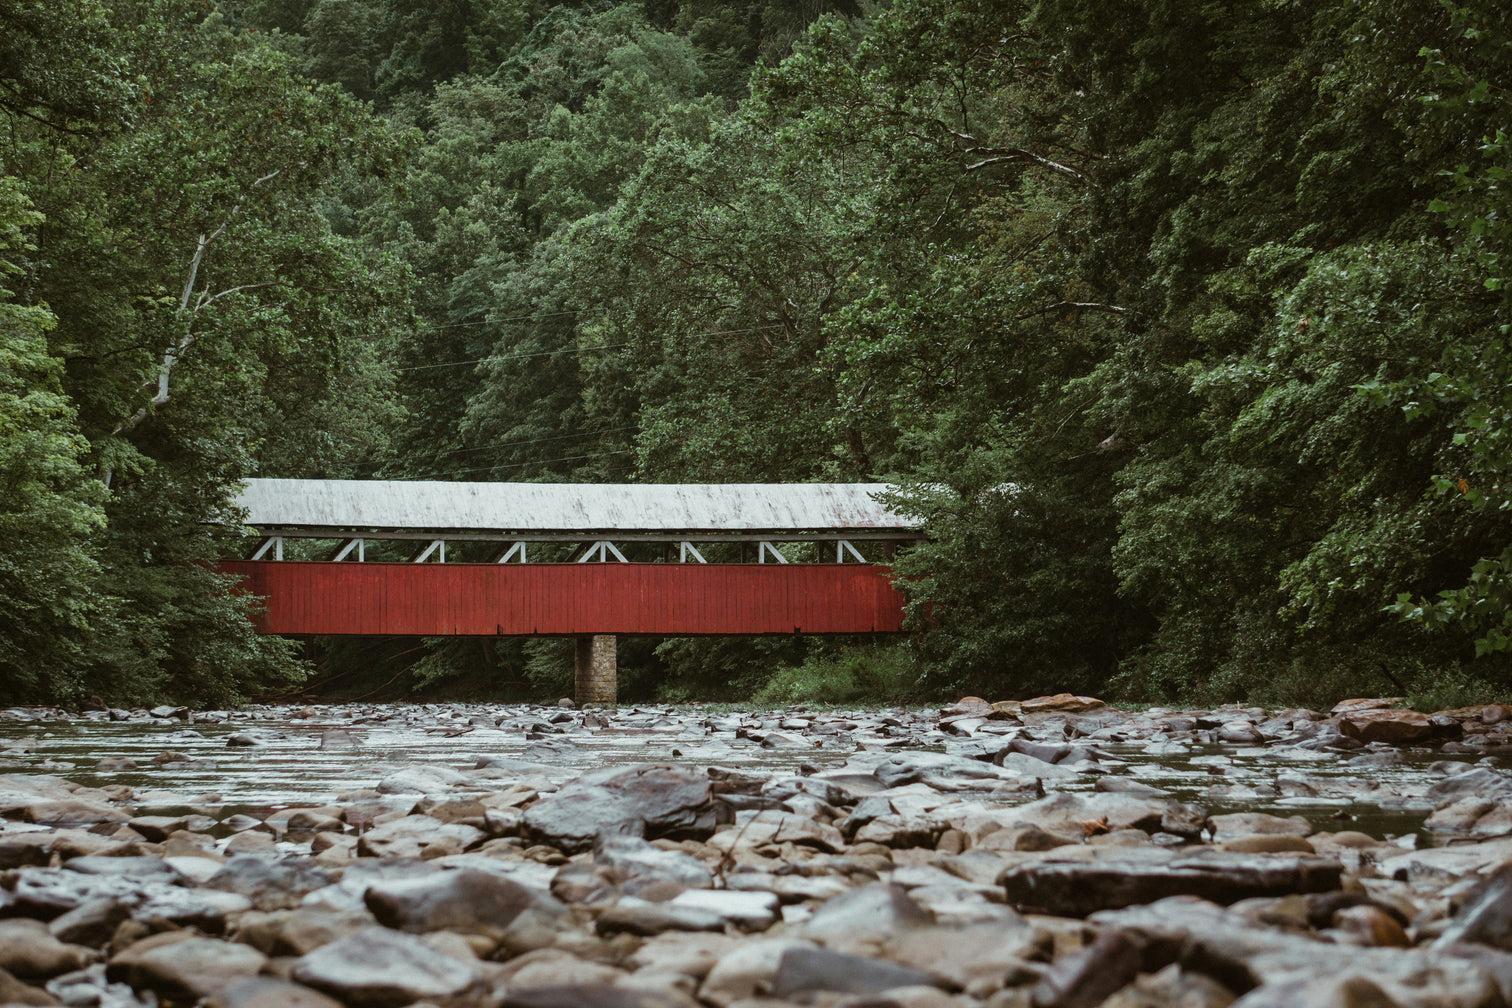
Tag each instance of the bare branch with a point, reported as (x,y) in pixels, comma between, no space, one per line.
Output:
(1091,306)
(1019,154)
(174,351)
(205,300)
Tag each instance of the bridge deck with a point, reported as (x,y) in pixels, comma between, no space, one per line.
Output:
(571,599)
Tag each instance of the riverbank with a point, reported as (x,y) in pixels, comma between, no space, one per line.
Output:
(1051,853)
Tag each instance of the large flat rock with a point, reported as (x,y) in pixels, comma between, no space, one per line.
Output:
(1131,878)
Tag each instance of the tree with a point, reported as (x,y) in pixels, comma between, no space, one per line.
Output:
(201,300)
(50,506)
(1468,384)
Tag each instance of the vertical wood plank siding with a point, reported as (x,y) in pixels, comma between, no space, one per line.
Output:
(570,599)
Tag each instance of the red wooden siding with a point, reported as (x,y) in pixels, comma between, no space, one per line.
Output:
(569,599)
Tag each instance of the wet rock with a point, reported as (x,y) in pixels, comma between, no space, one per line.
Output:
(597,995)
(418,836)
(26,849)
(297,932)
(1364,924)
(73,811)
(424,778)
(268,992)
(865,914)
(1471,816)
(466,901)
(1244,824)
(747,911)
(1077,888)
(29,951)
(187,970)
(1061,702)
(748,969)
(380,968)
(270,884)
(1086,978)
(638,917)
(14,991)
(91,923)
(1172,987)
(1486,914)
(637,861)
(145,866)
(648,801)
(1275,968)
(1386,725)
(771,828)
(1478,782)
(939,770)
(800,970)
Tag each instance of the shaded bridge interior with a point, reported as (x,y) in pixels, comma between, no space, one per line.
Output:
(463,559)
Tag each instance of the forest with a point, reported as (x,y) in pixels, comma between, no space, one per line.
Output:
(1186,329)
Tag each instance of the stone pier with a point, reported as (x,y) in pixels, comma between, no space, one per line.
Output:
(596,673)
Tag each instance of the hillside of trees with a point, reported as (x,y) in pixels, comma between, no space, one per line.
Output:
(1220,291)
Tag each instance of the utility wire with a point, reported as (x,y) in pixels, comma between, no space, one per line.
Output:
(543,440)
(504,357)
(522,465)
(493,321)
(567,350)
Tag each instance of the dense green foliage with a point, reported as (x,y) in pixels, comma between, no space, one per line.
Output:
(1185,330)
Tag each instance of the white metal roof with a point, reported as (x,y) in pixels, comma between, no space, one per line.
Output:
(568,507)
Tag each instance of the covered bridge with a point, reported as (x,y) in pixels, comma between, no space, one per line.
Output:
(584,560)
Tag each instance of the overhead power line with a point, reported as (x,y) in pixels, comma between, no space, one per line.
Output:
(567,350)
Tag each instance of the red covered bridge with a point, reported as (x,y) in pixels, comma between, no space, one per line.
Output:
(584,560)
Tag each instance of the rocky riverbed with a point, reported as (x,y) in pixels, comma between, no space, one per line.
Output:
(1051,853)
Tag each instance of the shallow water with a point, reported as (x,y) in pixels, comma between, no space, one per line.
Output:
(287,767)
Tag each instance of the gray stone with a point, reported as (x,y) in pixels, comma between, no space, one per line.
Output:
(144,866)
(594,995)
(866,913)
(91,923)
(26,849)
(940,770)
(29,951)
(73,811)
(1129,878)
(641,918)
(814,969)
(380,968)
(270,884)
(16,992)
(747,969)
(467,901)
(649,801)
(297,932)
(748,911)
(636,859)
(268,992)
(1486,914)
(418,836)
(769,828)
(1241,824)
(191,969)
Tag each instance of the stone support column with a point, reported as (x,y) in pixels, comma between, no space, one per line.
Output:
(596,673)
